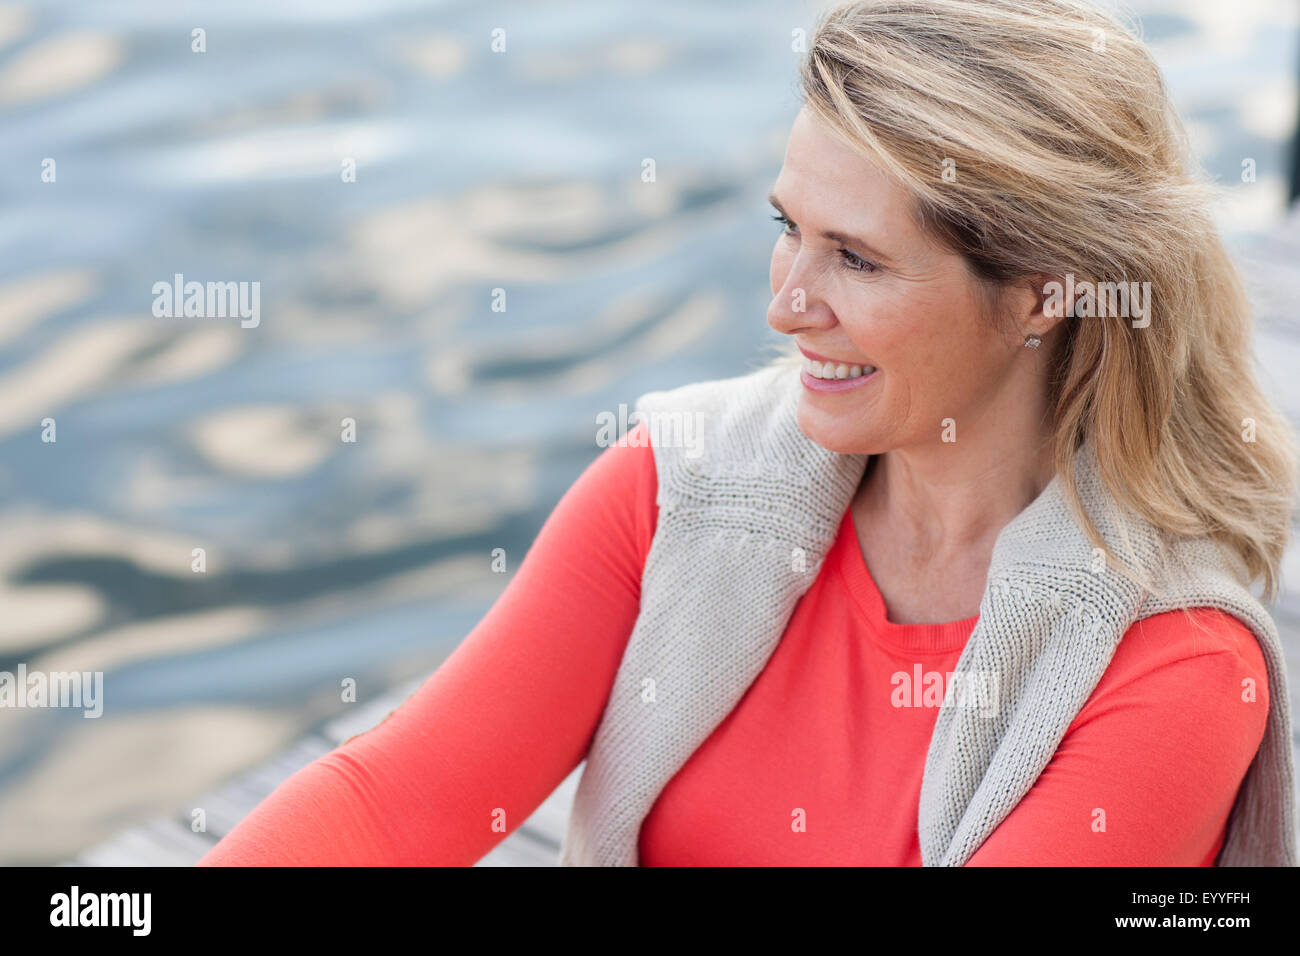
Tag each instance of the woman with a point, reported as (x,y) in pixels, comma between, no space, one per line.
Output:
(971,586)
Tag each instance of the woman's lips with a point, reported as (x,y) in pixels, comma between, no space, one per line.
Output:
(823,374)
(812,383)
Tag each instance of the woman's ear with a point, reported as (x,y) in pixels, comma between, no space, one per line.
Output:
(1049,303)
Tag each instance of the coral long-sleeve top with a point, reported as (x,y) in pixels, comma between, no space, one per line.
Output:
(820,763)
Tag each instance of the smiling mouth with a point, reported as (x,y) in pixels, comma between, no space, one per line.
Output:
(832,371)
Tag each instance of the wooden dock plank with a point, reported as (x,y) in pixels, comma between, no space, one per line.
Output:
(162,841)
(168,841)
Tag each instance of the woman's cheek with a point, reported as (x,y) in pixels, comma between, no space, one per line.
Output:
(870,328)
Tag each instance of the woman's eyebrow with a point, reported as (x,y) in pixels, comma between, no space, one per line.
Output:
(842,238)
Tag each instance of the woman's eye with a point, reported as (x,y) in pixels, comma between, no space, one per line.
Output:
(851,260)
(856,262)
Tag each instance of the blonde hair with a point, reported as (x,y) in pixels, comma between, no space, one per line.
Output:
(1066,156)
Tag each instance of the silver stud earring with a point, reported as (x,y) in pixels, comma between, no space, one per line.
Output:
(1032,341)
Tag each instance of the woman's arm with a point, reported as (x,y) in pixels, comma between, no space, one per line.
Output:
(501,722)
(1156,756)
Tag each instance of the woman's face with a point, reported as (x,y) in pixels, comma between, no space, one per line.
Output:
(876,293)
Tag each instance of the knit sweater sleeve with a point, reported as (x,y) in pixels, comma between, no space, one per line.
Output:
(502,721)
(1147,773)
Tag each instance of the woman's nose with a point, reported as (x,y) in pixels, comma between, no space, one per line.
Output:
(796,306)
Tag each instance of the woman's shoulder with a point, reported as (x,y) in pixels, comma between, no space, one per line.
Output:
(1205,661)
(621,486)
(719,422)
(1193,632)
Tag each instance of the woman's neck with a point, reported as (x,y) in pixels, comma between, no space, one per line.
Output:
(949,497)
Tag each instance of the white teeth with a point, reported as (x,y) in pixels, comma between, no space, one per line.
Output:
(835,370)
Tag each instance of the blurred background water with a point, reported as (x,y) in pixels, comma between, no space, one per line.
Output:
(475,170)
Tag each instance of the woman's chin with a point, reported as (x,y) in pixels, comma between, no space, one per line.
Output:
(835,434)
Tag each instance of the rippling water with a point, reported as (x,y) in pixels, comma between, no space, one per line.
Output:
(475,171)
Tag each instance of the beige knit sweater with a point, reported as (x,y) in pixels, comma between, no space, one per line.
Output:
(742,531)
